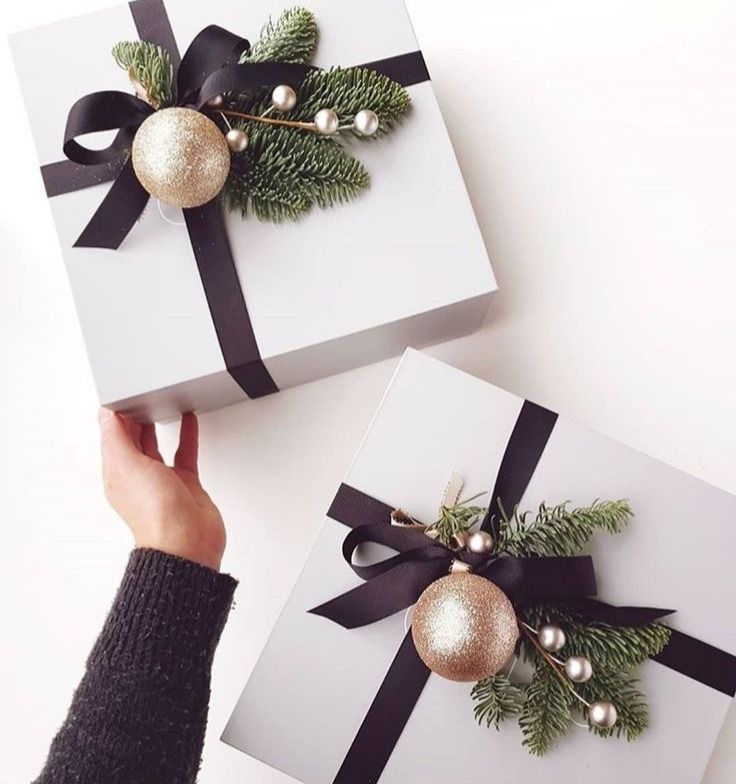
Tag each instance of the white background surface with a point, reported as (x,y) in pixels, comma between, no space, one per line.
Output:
(597,141)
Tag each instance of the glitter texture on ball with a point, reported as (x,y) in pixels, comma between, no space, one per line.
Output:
(464,627)
(181,157)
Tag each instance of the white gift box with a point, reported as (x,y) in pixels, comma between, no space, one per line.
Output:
(403,264)
(315,681)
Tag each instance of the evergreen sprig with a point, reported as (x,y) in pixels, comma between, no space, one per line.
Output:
(292,38)
(631,705)
(285,171)
(497,699)
(548,701)
(547,711)
(282,175)
(611,647)
(559,530)
(454,521)
(150,70)
(347,91)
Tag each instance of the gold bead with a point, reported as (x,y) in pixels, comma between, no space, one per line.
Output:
(181,157)
(464,627)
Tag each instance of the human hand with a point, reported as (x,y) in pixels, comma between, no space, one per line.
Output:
(165,507)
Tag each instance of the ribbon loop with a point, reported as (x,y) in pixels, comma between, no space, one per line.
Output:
(210,49)
(396,582)
(103,111)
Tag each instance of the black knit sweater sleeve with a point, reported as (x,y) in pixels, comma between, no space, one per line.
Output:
(139,714)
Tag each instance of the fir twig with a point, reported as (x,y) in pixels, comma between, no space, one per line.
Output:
(607,647)
(559,530)
(347,91)
(283,173)
(454,521)
(621,690)
(546,713)
(292,38)
(150,70)
(497,699)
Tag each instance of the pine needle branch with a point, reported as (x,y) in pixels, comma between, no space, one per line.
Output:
(631,705)
(546,714)
(346,91)
(292,38)
(559,530)
(454,521)
(150,70)
(497,699)
(284,173)
(607,647)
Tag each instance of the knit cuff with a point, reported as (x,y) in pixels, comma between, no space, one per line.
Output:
(168,612)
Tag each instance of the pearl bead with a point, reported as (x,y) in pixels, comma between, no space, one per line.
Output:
(602,714)
(283,98)
(237,139)
(578,669)
(365,122)
(551,637)
(480,542)
(326,121)
(216,102)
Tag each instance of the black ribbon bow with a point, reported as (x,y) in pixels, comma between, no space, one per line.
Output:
(397,582)
(208,68)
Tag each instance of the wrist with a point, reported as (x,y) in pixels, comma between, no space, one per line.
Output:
(195,549)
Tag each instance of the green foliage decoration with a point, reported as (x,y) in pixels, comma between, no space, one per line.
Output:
(149,69)
(547,704)
(285,171)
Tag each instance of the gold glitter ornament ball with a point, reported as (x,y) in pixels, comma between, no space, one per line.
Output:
(464,627)
(181,157)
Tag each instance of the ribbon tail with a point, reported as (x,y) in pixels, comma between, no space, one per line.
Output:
(208,235)
(386,718)
(117,214)
(595,611)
